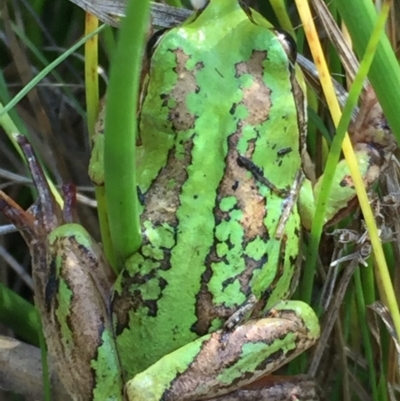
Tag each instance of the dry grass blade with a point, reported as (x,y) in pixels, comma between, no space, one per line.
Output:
(111,12)
(21,371)
(336,36)
(383,312)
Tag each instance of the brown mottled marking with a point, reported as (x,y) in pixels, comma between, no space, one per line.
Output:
(249,200)
(256,98)
(162,198)
(181,118)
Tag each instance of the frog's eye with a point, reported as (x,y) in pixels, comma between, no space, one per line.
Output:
(154,41)
(288,44)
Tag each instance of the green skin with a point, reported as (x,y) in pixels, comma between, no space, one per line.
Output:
(200,311)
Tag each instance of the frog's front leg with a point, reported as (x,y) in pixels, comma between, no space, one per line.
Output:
(72,284)
(373,144)
(225,361)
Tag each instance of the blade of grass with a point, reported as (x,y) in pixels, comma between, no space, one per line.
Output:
(360,17)
(92,107)
(22,93)
(120,133)
(19,315)
(362,321)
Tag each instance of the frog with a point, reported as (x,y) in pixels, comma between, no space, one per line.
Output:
(238,194)
(202,310)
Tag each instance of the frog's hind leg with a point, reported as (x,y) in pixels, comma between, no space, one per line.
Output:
(223,362)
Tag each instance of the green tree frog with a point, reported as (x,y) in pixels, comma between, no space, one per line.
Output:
(201,311)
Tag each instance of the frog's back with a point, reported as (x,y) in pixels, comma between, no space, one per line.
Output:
(208,222)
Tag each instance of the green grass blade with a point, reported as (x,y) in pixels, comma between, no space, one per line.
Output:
(384,74)
(120,132)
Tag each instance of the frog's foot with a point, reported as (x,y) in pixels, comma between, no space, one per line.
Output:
(24,221)
(49,213)
(277,388)
(241,314)
(207,368)
(45,215)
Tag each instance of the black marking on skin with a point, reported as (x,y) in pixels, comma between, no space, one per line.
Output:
(293,259)
(152,307)
(70,325)
(206,276)
(228,281)
(140,195)
(219,73)
(258,174)
(99,344)
(164,97)
(232,110)
(284,151)
(101,330)
(272,358)
(162,283)
(280,265)
(51,286)
(229,243)
(235,186)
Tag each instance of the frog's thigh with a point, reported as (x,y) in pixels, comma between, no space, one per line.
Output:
(222,362)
